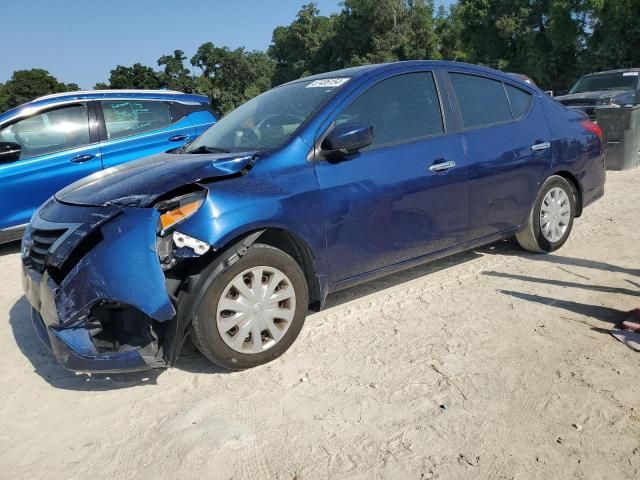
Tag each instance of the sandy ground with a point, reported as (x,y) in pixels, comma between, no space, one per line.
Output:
(491,364)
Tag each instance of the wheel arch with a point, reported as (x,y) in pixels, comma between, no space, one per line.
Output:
(289,242)
(577,189)
(294,246)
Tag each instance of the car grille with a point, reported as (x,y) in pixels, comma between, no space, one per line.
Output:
(579,103)
(42,242)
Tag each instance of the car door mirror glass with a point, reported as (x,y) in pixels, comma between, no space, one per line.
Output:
(347,138)
(9,152)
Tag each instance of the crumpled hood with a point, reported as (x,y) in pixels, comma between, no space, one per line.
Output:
(140,183)
(591,97)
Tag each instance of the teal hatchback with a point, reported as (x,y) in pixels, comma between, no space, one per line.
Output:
(55,140)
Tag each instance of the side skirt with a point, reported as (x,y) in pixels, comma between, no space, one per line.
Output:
(430,257)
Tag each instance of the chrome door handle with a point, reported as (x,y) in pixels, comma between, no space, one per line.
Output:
(178,138)
(442,167)
(82,158)
(539,147)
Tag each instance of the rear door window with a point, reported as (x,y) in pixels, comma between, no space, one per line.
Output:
(482,101)
(520,101)
(400,109)
(132,117)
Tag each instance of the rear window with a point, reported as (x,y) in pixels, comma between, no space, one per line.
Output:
(482,101)
(132,117)
(520,101)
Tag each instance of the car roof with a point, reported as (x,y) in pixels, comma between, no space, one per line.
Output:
(370,70)
(619,70)
(118,94)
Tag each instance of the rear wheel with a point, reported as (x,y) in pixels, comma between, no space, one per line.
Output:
(254,311)
(551,218)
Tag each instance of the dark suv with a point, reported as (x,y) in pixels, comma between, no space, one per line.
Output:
(615,88)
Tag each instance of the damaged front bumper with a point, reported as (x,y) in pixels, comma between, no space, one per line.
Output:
(97,289)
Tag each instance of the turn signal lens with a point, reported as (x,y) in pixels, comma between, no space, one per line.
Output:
(176,215)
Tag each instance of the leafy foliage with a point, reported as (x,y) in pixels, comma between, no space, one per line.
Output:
(552,41)
(615,41)
(175,75)
(231,77)
(137,76)
(301,48)
(25,85)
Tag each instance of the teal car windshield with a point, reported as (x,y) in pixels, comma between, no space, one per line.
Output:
(268,120)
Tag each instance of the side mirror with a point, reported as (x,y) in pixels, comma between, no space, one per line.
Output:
(560,93)
(9,152)
(347,138)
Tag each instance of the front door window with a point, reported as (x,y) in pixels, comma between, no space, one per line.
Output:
(49,132)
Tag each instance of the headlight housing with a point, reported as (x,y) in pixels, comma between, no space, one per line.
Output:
(607,102)
(178,209)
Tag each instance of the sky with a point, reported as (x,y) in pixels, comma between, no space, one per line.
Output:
(81,41)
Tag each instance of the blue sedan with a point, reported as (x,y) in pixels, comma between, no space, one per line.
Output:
(309,188)
(55,140)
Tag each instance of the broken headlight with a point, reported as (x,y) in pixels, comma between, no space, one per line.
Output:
(171,244)
(178,209)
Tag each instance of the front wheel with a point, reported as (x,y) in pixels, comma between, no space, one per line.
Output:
(549,223)
(252,312)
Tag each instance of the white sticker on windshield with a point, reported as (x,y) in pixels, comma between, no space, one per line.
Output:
(630,74)
(328,82)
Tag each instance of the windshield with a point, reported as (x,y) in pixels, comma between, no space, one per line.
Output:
(268,120)
(607,81)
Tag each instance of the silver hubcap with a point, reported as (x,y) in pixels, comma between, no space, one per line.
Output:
(555,214)
(256,309)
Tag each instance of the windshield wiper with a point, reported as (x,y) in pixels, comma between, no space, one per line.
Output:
(206,149)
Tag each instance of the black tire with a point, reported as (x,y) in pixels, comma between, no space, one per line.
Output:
(530,237)
(204,331)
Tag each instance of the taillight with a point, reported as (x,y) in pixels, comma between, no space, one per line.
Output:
(593,128)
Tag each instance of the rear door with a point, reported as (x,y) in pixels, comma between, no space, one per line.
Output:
(133,129)
(405,195)
(58,146)
(507,142)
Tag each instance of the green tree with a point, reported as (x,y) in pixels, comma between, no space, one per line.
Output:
(370,31)
(615,42)
(448,29)
(301,49)
(541,38)
(25,85)
(231,77)
(136,76)
(175,75)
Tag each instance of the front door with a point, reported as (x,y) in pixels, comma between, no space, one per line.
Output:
(57,147)
(405,195)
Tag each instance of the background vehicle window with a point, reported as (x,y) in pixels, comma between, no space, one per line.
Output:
(482,101)
(607,81)
(520,101)
(48,132)
(133,117)
(400,108)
